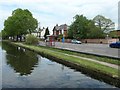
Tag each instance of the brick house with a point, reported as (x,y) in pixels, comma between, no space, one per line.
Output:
(116,33)
(62,29)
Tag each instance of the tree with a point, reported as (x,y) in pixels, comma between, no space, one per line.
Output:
(0,34)
(83,28)
(114,34)
(78,28)
(4,34)
(46,33)
(93,31)
(20,23)
(104,23)
(31,39)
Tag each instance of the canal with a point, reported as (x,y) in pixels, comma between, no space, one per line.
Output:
(22,68)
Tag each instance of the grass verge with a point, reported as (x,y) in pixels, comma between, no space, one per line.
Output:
(62,55)
(103,59)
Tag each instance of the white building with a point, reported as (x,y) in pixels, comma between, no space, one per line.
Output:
(38,33)
(43,33)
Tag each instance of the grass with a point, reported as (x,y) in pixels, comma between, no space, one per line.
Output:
(103,59)
(85,63)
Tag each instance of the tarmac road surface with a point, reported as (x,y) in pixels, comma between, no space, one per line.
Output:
(99,49)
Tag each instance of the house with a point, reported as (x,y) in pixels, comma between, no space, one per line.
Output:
(115,33)
(39,33)
(60,30)
(118,33)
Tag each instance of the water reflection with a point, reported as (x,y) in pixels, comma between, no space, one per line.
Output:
(21,60)
(40,72)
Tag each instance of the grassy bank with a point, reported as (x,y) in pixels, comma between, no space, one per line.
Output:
(103,59)
(93,69)
(62,55)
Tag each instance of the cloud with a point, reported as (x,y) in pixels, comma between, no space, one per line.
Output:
(52,12)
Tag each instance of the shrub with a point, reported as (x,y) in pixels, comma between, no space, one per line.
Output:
(31,39)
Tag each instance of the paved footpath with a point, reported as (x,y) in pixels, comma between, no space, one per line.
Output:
(93,60)
(86,48)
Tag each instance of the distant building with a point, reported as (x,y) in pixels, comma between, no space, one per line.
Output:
(43,33)
(62,29)
(119,15)
(118,33)
(39,34)
(115,33)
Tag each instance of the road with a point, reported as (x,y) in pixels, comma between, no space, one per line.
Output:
(99,49)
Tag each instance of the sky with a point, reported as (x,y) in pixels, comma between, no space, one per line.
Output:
(52,12)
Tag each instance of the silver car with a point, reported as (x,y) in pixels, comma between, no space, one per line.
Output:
(76,41)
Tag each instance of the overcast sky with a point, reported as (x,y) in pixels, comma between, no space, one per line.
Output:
(52,12)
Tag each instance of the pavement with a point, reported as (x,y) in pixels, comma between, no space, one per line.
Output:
(97,49)
(93,60)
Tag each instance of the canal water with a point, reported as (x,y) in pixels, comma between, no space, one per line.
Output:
(22,68)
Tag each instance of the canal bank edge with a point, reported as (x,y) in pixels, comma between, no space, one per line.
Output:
(97,74)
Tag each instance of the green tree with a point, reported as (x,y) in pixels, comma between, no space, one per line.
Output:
(4,34)
(20,23)
(83,28)
(46,33)
(0,37)
(104,23)
(93,31)
(0,34)
(78,28)
(114,34)
(31,39)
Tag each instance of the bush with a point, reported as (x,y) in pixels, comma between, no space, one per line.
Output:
(31,39)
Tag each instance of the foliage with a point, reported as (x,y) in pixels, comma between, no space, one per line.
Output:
(78,28)
(3,34)
(31,39)
(113,34)
(104,23)
(60,36)
(94,32)
(46,33)
(21,22)
(83,28)
(0,34)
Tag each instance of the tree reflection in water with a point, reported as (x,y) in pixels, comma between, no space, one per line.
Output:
(21,60)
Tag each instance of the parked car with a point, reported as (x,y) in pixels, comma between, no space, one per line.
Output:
(115,45)
(76,41)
